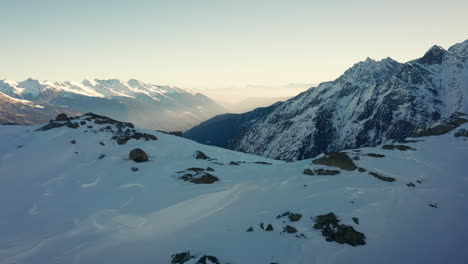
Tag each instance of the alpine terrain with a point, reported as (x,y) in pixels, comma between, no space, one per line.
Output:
(91,189)
(147,105)
(371,102)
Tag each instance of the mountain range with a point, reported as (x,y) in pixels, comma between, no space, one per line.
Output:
(147,105)
(372,102)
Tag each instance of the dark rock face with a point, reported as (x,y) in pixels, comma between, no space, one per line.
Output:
(211,259)
(199,178)
(337,159)
(433,56)
(333,231)
(295,217)
(308,172)
(398,147)
(374,155)
(455,120)
(181,257)
(381,177)
(326,172)
(269,228)
(201,155)
(461,133)
(61,117)
(289,229)
(138,155)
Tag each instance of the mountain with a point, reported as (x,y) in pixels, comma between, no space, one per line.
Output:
(17,111)
(147,105)
(70,192)
(371,102)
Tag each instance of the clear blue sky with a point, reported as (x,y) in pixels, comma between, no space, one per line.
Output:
(217,43)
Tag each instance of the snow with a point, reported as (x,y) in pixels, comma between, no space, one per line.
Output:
(58,206)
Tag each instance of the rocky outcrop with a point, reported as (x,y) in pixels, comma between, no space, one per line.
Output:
(329,225)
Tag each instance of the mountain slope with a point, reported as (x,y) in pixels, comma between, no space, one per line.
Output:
(371,102)
(147,105)
(16,111)
(70,204)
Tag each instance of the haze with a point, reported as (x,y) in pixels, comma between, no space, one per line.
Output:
(227,49)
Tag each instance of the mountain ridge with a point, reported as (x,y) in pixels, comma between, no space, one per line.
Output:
(371,102)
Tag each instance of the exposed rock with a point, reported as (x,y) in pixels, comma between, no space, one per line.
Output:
(326,172)
(61,117)
(433,205)
(361,170)
(337,159)
(289,229)
(208,260)
(50,126)
(205,178)
(410,184)
(234,163)
(462,133)
(73,141)
(455,120)
(201,155)
(332,231)
(72,125)
(263,163)
(356,220)
(102,156)
(308,172)
(375,155)
(135,169)
(195,169)
(269,228)
(381,177)
(284,214)
(209,169)
(138,155)
(262,226)
(250,229)
(101,143)
(181,257)
(294,217)
(399,147)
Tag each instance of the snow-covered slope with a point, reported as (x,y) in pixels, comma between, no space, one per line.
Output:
(371,102)
(63,201)
(147,105)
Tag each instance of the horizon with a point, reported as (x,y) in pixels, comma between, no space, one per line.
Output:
(211,45)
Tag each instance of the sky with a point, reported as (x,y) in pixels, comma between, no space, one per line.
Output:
(216,44)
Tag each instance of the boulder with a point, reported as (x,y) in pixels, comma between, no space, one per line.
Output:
(61,117)
(138,155)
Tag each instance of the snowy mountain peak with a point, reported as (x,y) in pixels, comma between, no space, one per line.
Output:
(433,56)
(371,71)
(460,49)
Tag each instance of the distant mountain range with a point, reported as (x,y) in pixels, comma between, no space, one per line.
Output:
(371,102)
(147,105)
